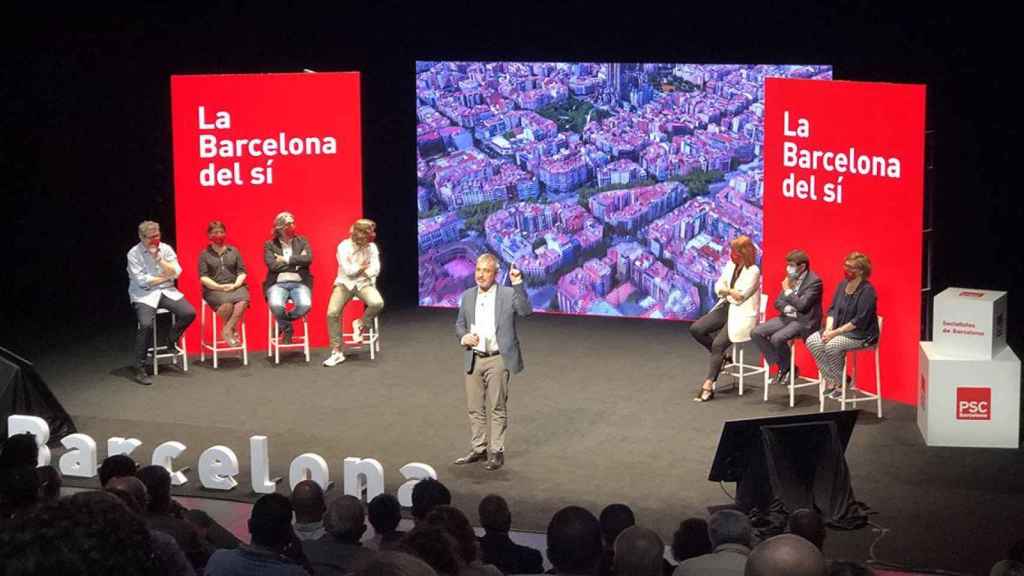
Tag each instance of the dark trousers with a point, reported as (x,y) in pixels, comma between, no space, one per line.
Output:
(772,339)
(183,312)
(711,332)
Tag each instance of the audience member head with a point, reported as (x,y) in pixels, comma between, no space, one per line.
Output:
(384,513)
(345,519)
(130,490)
(844,568)
(270,523)
(785,555)
(117,465)
(50,482)
(455,523)
(809,525)
(308,502)
(199,520)
(97,536)
(691,539)
(614,519)
(20,450)
(158,485)
(434,546)
(729,527)
(426,495)
(574,541)
(395,564)
(19,491)
(639,552)
(494,514)
(1016,551)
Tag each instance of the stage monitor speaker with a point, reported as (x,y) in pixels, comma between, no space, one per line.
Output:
(23,391)
(785,463)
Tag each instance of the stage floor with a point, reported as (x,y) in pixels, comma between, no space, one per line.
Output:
(602,414)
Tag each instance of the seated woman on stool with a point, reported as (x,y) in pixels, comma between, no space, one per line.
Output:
(358,268)
(734,315)
(288,257)
(222,273)
(852,322)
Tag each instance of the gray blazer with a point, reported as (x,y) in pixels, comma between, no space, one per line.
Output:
(807,301)
(510,302)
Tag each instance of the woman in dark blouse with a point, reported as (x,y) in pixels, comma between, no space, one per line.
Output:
(222,274)
(852,321)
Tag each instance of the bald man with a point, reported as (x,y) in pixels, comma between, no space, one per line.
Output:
(786,555)
(169,555)
(308,502)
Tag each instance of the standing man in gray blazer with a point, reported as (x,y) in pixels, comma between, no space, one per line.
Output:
(486,328)
(799,306)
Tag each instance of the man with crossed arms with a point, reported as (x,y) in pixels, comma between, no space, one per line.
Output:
(486,328)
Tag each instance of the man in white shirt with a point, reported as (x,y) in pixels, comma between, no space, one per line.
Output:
(152,269)
(358,268)
(486,328)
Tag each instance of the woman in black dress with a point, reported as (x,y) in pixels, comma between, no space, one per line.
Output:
(222,273)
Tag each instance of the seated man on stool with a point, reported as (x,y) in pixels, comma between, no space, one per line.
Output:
(152,269)
(799,305)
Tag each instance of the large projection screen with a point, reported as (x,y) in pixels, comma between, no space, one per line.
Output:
(614,187)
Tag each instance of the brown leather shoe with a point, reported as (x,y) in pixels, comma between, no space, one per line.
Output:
(470,458)
(495,460)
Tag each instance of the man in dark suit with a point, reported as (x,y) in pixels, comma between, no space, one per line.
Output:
(799,306)
(486,328)
(495,545)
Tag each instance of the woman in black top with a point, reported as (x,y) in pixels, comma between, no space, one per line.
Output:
(222,273)
(852,321)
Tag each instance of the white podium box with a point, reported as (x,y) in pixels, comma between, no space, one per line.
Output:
(969,323)
(965,402)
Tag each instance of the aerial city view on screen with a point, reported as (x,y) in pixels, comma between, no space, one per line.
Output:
(614,187)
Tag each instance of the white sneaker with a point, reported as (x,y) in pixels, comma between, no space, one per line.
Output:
(357,331)
(334,359)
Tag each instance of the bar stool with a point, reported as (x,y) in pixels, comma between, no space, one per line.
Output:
(158,351)
(273,336)
(217,345)
(804,381)
(858,394)
(737,366)
(370,339)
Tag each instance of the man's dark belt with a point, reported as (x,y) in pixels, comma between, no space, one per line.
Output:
(480,354)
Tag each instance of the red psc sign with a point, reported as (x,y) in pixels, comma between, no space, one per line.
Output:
(973,403)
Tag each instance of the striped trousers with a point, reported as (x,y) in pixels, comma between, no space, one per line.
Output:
(831,355)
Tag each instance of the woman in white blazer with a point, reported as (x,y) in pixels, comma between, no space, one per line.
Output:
(735,313)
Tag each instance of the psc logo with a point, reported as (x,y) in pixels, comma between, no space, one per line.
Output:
(973,403)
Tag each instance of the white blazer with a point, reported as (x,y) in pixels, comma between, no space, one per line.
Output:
(743,314)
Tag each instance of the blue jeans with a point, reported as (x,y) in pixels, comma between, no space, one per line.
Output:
(280,293)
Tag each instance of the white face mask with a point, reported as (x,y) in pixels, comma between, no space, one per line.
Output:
(791,271)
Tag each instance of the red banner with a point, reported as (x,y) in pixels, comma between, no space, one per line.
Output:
(844,171)
(247,147)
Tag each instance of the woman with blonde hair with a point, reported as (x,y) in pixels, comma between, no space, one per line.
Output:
(851,322)
(734,315)
(358,268)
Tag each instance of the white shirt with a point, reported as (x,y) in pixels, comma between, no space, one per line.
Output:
(143,268)
(286,251)
(485,326)
(789,310)
(350,263)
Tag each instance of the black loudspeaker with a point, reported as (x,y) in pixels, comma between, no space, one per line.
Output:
(786,463)
(23,391)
